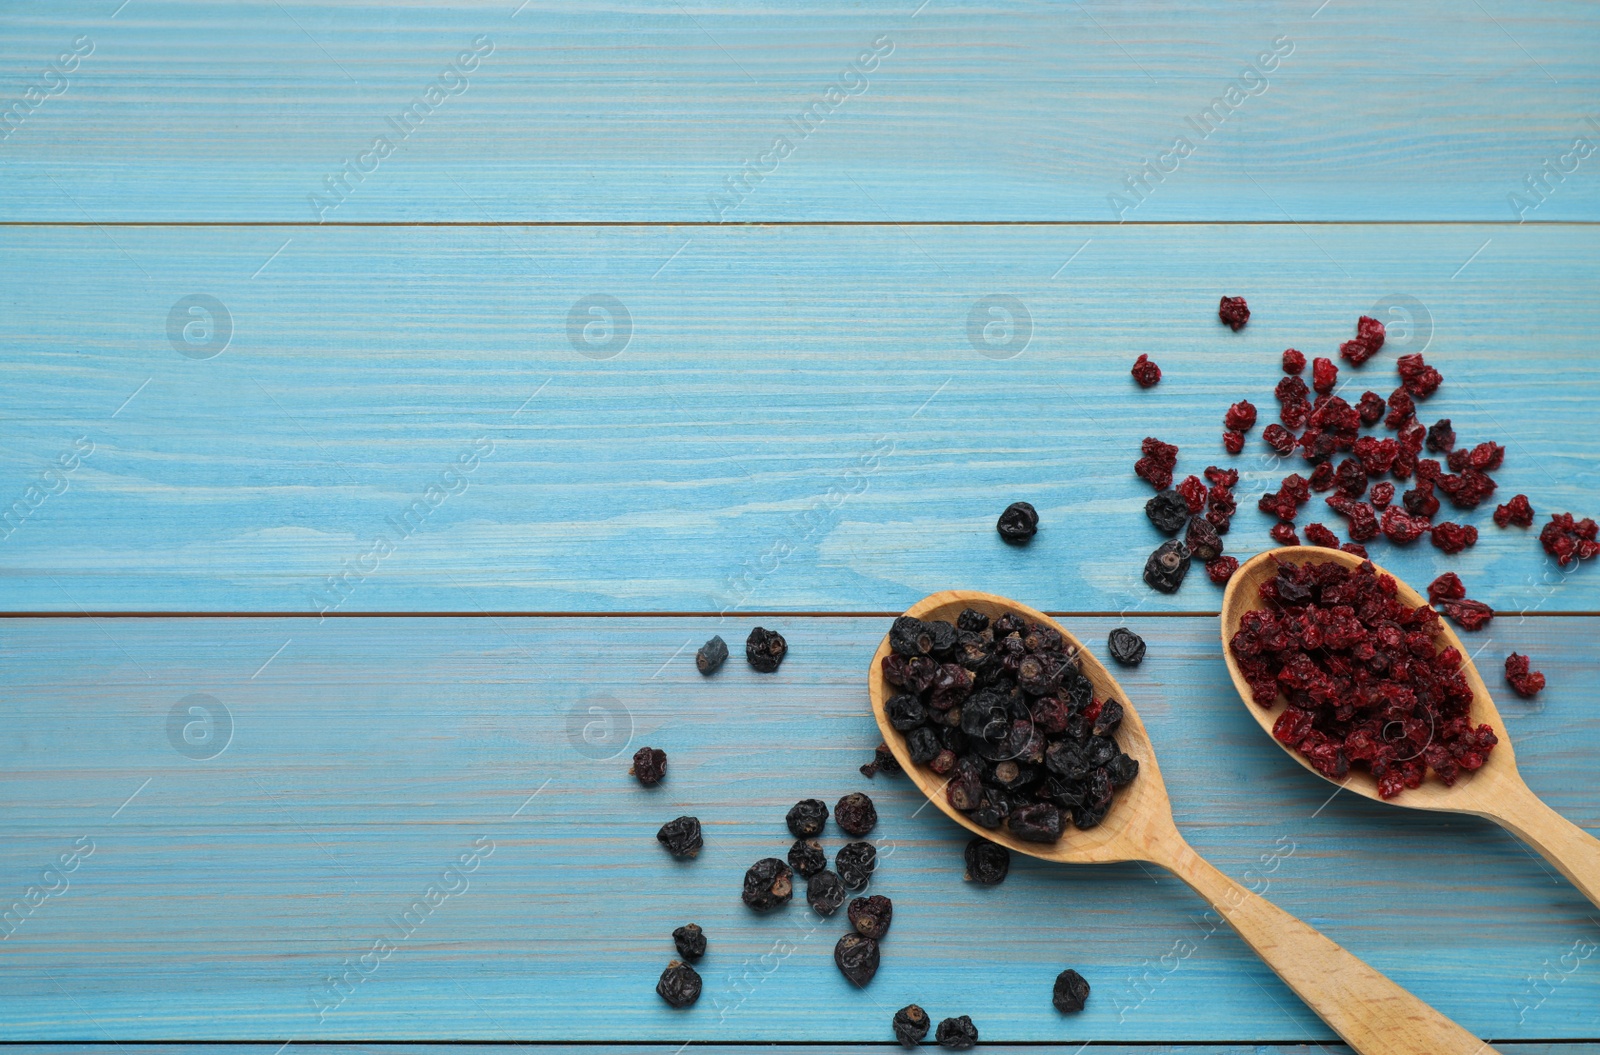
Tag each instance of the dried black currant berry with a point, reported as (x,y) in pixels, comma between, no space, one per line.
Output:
(854,863)
(987,862)
(711,656)
(906,712)
(807,817)
(923,745)
(679,985)
(1039,822)
(855,813)
(1071,991)
(690,940)
(857,958)
(681,837)
(1202,539)
(910,636)
(958,1034)
(883,761)
(871,915)
(1167,566)
(765,649)
(807,857)
(910,1025)
(945,638)
(825,893)
(1168,511)
(973,622)
(1122,769)
(649,766)
(768,884)
(1018,523)
(1126,647)
(1110,716)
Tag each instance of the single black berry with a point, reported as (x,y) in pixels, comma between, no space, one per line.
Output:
(1110,716)
(871,915)
(910,1025)
(1126,647)
(910,636)
(825,893)
(973,622)
(1071,991)
(987,862)
(681,837)
(1039,822)
(679,985)
(1018,523)
(711,656)
(690,940)
(958,1034)
(906,712)
(883,761)
(649,766)
(923,745)
(765,649)
(1168,511)
(1202,539)
(857,958)
(856,814)
(807,817)
(1167,566)
(768,884)
(855,862)
(807,857)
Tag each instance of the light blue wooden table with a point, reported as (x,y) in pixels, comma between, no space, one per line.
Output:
(278,279)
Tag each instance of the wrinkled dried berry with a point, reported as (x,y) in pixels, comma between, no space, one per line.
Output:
(1293,361)
(959,1034)
(1202,540)
(768,884)
(1240,417)
(1222,569)
(911,637)
(1146,372)
(871,915)
(807,817)
(1517,511)
(855,814)
(1382,494)
(1233,442)
(1401,528)
(1167,566)
(910,1025)
(1168,511)
(1125,647)
(1193,492)
(905,712)
(1441,437)
(679,985)
(857,958)
(711,655)
(1368,340)
(1039,822)
(1319,535)
(1157,463)
(1071,991)
(1019,523)
(1447,587)
(1278,438)
(807,857)
(1453,538)
(765,649)
(825,893)
(690,940)
(1467,614)
(681,837)
(883,761)
(649,766)
(1324,375)
(1283,534)
(1371,407)
(1526,682)
(987,862)
(855,863)
(1568,540)
(1420,379)
(1235,313)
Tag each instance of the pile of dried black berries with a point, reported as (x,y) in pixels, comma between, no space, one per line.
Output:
(1003,709)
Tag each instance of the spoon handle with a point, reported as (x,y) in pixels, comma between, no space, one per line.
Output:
(1572,850)
(1372,1014)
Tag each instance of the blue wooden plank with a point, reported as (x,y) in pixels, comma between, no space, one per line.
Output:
(365,756)
(1100,1048)
(801,418)
(745,111)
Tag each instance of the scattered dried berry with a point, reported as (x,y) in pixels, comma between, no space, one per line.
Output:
(681,837)
(1401,528)
(808,816)
(1018,524)
(1382,494)
(1526,682)
(1368,340)
(1168,511)
(1318,535)
(1146,372)
(679,985)
(883,761)
(1293,361)
(1240,417)
(1324,375)
(855,814)
(1278,438)
(825,893)
(1569,540)
(1453,538)
(765,649)
(1371,408)
(768,884)
(1157,464)
(1283,534)
(1420,379)
(1441,437)
(1468,615)
(871,915)
(1233,442)
(807,857)
(1071,992)
(1222,569)
(1447,587)
(1202,540)
(690,940)
(855,863)
(649,766)
(987,862)
(1517,511)
(959,1034)
(910,1025)
(1125,647)
(857,958)
(709,659)
(1167,566)
(1193,492)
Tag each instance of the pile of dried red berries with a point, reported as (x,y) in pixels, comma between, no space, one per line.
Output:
(1003,709)
(1365,685)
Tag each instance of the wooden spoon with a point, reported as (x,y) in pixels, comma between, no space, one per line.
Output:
(1372,1014)
(1495,791)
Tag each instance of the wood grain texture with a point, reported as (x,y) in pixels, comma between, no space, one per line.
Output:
(642,111)
(368,754)
(800,420)
(881,1048)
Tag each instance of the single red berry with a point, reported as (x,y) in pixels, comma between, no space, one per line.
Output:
(1372,408)
(1401,409)
(1319,535)
(1293,361)
(1420,379)
(1278,438)
(1240,416)
(1355,547)
(1447,587)
(1469,615)
(1324,375)
(1222,569)
(1453,538)
(1401,528)
(1322,477)
(1146,372)
(1193,492)
(1283,534)
(1233,442)
(1224,478)
(1486,456)
(1517,511)
(1526,682)
(1234,311)
(1382,494)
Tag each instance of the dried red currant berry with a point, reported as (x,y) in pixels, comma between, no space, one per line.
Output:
(1447,587)
(959,1034)
(807,857)
(1401,409)
(681,837)
(987,862)
(1322,477)
(1295,413)
(1070,993)
(1453,538)
(1324,375)
(679,985)
(1401,528)
(1517,511)
(1222,569)
(1457,459)
(1420,501)
(855,863)
(1234,311)
(825,893)
(1526,682)
(855,813)
(1371,407)
(1355,547)
(1319,535)
(1146,372)
(1167,566)
(1420,379)
(690,940)
(765,649)
(649,766)
(1283,534)
(1568,540)
(1293,361)
(1157,463)
(871,915)
(1233,442)
(709,659)
(1126,647)
(1278,438)
(1441,437)
(1469,615)
(1382,494)
(768,884)
(1368,340)
(1219,477)
(1291,389)
(1193,492)
(1486,456)
(857,958)
(1241,416)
